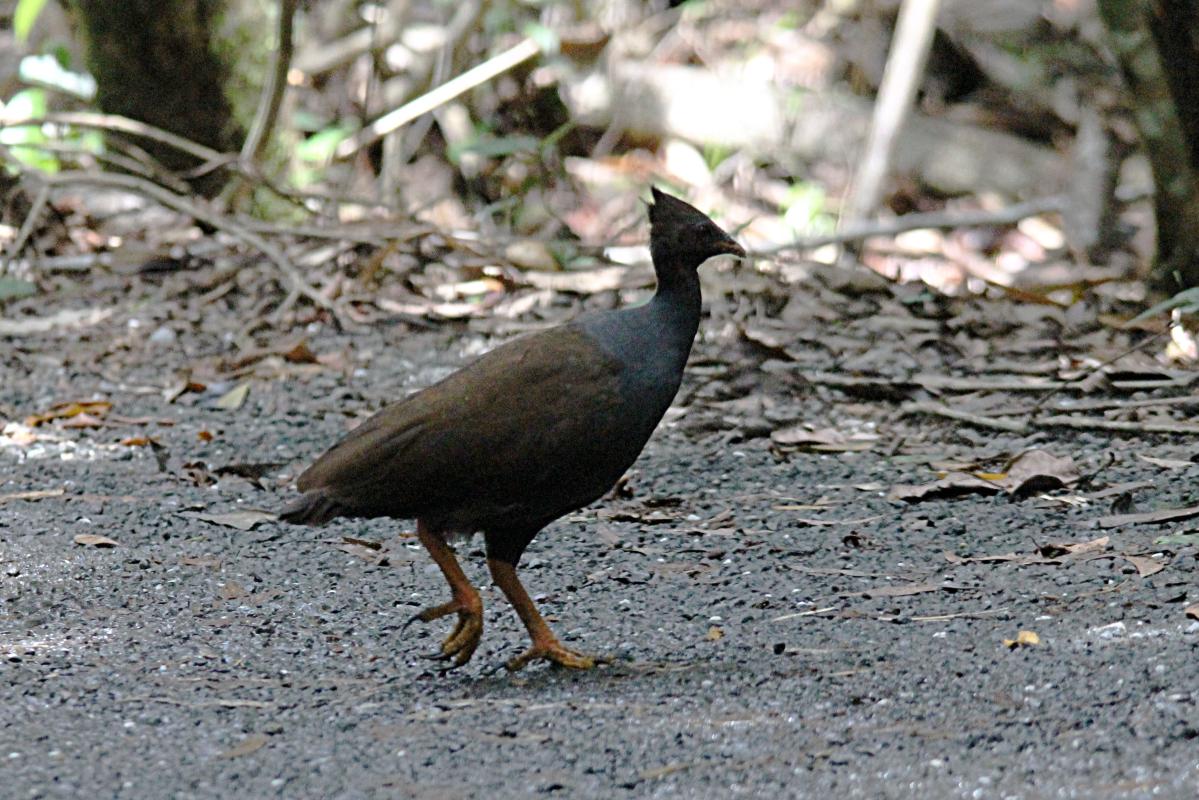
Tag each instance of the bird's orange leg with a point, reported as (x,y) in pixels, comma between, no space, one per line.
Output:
(460,645)
(545,645)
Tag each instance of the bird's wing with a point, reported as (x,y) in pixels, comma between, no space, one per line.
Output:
(525,409)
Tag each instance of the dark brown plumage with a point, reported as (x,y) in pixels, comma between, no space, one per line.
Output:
(534,429)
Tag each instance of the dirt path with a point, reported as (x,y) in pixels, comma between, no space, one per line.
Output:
(781,627)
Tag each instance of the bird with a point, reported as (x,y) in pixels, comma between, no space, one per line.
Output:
(534,429)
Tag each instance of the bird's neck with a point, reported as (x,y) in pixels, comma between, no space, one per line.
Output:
(678,296)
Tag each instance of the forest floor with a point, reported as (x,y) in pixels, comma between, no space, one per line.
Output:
(814,583)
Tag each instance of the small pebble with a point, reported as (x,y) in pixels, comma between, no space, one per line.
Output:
(163,335)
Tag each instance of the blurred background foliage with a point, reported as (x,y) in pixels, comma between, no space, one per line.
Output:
(544,119)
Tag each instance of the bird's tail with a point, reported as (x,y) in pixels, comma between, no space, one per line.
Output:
(311,508)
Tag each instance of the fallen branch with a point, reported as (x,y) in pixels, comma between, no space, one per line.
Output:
(1056,421)
(115,122)
(977,420)
(181,204)
(1100,424)
(794,128)
(1012,383)
(936,220)
(211,159)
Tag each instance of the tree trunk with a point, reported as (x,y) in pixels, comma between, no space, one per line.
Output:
(186,66)
(1157,44)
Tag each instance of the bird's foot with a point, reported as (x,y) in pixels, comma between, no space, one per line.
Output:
(554,652)
(464,639)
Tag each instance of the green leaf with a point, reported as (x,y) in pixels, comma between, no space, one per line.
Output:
(23,17)
(26,104)
(30,103)
(319,147)
(495,148)
(1187,300)
(546,38)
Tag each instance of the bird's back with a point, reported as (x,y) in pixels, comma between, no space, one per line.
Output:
(532,430)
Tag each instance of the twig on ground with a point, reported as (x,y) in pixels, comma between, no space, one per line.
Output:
(1056,421)
(183,205)
(977,420)
(1108,362)
(1099,424)
(115,122)
(211,159)
(953,383)
(1107,405)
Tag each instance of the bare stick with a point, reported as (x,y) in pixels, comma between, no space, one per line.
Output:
(1058,421)
(437,97)
(35,213)
(977,420)
(1100,424)
(171,200)
(272,92)
(937,220)
(115,122)
(901,77)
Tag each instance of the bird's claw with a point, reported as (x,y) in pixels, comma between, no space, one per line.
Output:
(464,639)
(556,654)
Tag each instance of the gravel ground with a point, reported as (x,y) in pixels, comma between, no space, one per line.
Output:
(780,627)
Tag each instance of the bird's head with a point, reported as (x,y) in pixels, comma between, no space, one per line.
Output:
(680,235)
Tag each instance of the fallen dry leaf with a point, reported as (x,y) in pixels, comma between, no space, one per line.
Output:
(242,520)
(1145,565)
(35,494)
(300,354)
(1166,463)
(94,540)
(1185,538)
(819,522)
(235,397)
(138,441)
(1023,639)
(954,484)
(1057,549)
(1148,517)
(589,281)
(67,318)
(18,435)
(1031,471)
(84,420)
(714,634)
(824,440)
(1051,553)
(252,472)
(232,590)
(1192,610)
(94,409)
(251,744)
(1039,471)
